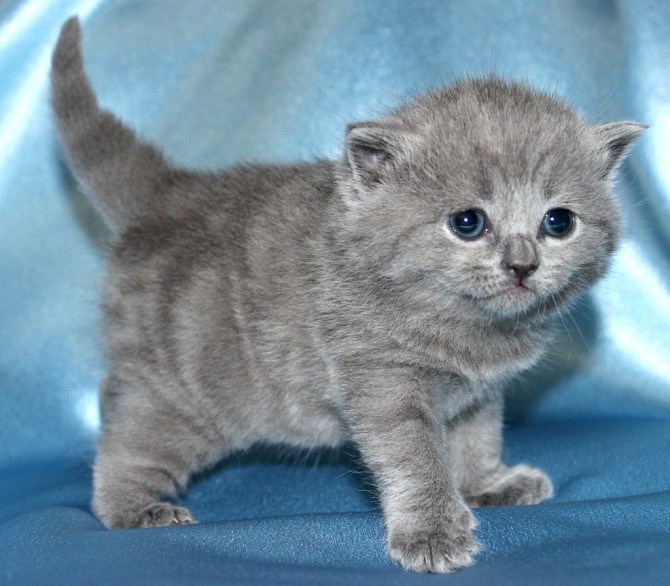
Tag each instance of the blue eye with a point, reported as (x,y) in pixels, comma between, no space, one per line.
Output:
(468,224)
(558,222)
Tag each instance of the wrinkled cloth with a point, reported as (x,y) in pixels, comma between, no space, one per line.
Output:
(214,83)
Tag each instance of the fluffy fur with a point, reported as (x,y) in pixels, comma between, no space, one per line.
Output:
(311,303)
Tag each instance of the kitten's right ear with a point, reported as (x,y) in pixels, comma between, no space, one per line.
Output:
(614,141)
(370,152)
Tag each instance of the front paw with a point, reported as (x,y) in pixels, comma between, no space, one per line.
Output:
(519,485)
(441,550)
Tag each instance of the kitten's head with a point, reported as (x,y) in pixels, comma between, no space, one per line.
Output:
(486,192)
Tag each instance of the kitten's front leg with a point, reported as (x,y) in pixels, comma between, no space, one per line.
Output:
(429,526)
(475,450)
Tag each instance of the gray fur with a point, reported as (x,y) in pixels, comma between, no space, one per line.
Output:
(312,303)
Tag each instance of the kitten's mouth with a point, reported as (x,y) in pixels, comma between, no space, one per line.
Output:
(518,294)
(517,297)
(510,292)
(517,289)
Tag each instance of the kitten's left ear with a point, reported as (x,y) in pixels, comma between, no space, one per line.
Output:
(614,140)
(370,150)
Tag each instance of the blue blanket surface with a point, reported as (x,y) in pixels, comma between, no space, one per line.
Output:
(215,83)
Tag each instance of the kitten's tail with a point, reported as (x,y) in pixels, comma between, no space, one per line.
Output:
(120,173)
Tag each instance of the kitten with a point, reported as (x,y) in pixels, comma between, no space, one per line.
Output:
(385,298)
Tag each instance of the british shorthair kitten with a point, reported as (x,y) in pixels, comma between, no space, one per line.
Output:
(384,298)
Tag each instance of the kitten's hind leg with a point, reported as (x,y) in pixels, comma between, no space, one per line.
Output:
(475,447)
(127,488)
(142,459)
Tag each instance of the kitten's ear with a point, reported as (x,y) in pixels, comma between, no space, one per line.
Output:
(370,151)
(614,140)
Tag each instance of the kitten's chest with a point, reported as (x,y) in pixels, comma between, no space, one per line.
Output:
(482,357)
(464,370)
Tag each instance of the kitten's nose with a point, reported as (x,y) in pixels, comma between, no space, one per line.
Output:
(521,271)
(520,257)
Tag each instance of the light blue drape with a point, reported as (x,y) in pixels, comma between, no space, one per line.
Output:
(214,83)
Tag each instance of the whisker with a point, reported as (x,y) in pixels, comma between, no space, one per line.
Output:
(579,331)
(567,331)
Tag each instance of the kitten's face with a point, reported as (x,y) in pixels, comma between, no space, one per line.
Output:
(489,195)
(524,249)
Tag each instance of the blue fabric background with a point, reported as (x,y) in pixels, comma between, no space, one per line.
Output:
(277,80)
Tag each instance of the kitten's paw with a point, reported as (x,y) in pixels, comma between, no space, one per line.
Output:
(162,515)
(436,551)
(439,551)
(520,485)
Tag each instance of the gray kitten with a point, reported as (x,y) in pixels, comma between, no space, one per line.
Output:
(386,298)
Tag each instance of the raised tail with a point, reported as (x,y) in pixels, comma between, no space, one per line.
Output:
(124,176)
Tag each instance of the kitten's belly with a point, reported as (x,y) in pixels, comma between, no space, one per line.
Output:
(293,376)
(265,374)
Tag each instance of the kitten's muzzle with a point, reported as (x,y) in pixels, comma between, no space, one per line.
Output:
(520,257)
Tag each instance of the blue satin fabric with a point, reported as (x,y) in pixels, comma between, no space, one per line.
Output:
(219,82)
